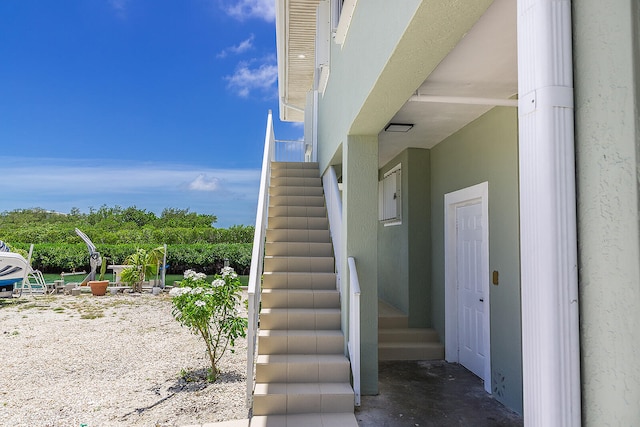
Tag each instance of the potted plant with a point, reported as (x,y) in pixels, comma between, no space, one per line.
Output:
(141,263)
(99,287)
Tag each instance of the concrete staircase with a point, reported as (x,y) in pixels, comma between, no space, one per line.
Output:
(396,341)
(302,375)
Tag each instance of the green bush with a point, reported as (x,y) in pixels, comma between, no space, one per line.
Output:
(110,226)
(193,242)
(205,257)
(211,310)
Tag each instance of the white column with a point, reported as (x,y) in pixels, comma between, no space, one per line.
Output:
(550,330)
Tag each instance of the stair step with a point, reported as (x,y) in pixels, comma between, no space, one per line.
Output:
(278,341)
(299,222)
(300,298)
(297,169)
(302,368)
(301,165)
(299,264)
(393,322)
(305,420)
(295,190)
(296,181)
(298,249)
(298,280)
(300,318)
(294,165)
(410,351)
(390,317)
(296,201)
(308,211)
(304,173)
(302,398)
(407,335)
(293,235)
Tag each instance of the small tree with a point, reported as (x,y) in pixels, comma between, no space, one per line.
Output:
(141,263)
(211,311)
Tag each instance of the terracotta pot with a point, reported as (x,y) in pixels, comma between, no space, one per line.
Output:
(98,287)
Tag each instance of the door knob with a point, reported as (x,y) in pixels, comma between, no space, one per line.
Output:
(481,299)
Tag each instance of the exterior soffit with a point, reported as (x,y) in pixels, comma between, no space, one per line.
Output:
(433,32)
(483,65)
(295,30)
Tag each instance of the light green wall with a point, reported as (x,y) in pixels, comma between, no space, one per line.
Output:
(355,68)
(360,222)
(389,51)
(607,124)
(404,251)
(393,248)
(486,150)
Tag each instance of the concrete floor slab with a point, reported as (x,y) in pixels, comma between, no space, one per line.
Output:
(432,393)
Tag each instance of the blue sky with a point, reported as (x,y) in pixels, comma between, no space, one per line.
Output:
(152,103)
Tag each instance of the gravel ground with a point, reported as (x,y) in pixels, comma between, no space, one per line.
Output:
(110,361)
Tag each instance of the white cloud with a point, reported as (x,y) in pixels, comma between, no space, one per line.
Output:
(120,7)
(245,79)
(204,183)
(244,9)
(242,47)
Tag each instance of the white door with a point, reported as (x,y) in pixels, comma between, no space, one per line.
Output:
(471,298)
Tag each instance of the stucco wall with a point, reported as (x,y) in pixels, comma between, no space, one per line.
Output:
(404,251)
(393,248)
(355,67)
(360,222)
(607,66)
(486,150)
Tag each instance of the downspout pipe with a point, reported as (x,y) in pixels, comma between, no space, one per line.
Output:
(548,231)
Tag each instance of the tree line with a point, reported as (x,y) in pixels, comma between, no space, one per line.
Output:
(192,240)
(116,225)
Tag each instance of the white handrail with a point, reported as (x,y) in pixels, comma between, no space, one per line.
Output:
(334,212)
(257,258)
(354,327)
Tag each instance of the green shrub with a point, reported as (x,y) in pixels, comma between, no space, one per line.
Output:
(209,258)
(210,310)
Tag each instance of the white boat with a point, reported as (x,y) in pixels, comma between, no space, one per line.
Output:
(13,269)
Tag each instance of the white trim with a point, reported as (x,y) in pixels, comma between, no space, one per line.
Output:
(353,343)
(392,170)
(281,53)
(466,100)
(390,197)
(323,78)
(314,129)
(323,37)
(467,196)
(346,13)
